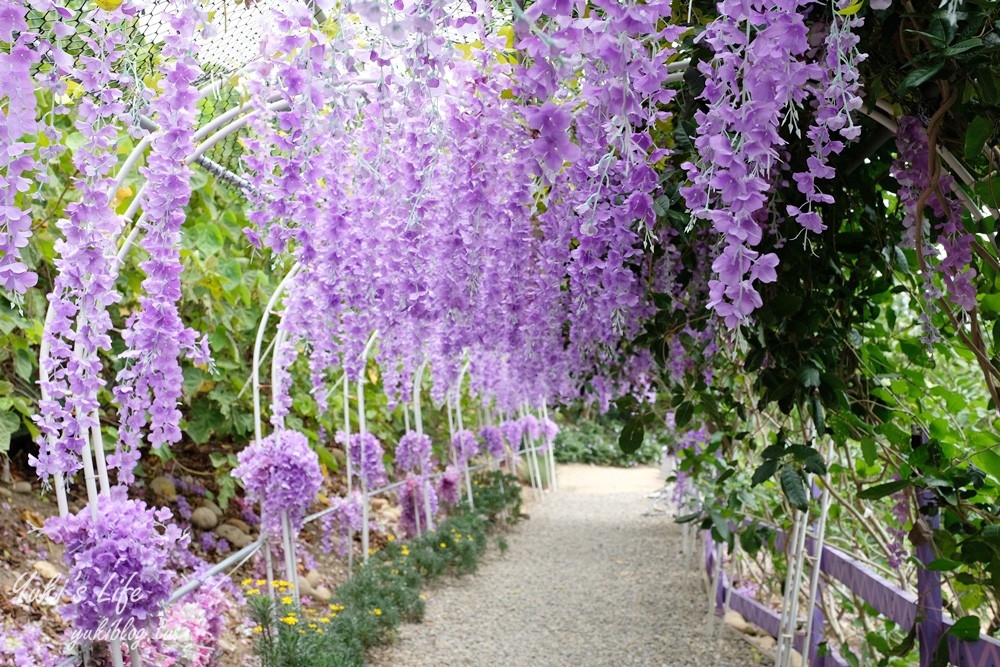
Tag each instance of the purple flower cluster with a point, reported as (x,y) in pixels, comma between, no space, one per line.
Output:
(532,426)
(118,561)
(466,446)
(513,432)
(26,646)
(24,122)
(282,472)
(345,519)
(366,462)
(441,167)
(411,503)
(449,486)
(209,543)
(901,515)
(492,438)
(84,286)
(910,170)
(149,385)
(762,75)
(550,430)
(413,453)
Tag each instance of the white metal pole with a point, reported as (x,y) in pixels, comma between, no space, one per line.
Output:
(347,458)
(258,343)
(362,432)
(714,587)
(552,450)
(418,422)
(291,571)
(818,543)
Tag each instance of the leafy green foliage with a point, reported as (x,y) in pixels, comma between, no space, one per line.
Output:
(607,441)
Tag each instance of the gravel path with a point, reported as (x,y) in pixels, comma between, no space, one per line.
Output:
(588,582)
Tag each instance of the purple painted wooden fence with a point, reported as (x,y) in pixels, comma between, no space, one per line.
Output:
(894,603)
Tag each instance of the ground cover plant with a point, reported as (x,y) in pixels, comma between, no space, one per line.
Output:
(383,592)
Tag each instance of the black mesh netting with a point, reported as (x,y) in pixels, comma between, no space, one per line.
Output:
(233,44)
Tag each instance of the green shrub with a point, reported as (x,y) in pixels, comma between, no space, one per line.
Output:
(596,442)
(383,592)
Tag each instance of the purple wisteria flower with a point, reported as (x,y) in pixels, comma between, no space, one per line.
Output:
(449,486)
(366,462)
(552,145)
(118,561)
(413,453)
(550,430)
(148,387)
(411,503)
(492,438)
(281,472)
(513,431)
(345,519)
(466,446)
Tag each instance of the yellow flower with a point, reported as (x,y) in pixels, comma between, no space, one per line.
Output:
(286,600)
(290,620)
(406,550)
(258,629)
(260,582)
(444,546)
(423,597)
(246,582)
(324,620)
(253,591)
(313,626)
(377,612)
(391,538)
(320,631)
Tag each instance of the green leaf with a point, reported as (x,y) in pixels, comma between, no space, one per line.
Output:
(991,533)
(725,475)
(688,518)
(208,238)
(919,76)
(883,490)
(988,191)
(750,540)
(204,420)
(943,565)
(815,465)
(631,437)
(906,645)
(963,46)
(683,414)
(878,642)
(721,527)
(773,451)
(809,376)
(23,363)
(10,422)
(976,136)
(764,472)
(869,450)
(988,461)
(966,628)
(794,488)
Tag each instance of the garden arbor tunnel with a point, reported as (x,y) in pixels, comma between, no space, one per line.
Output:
(486,191)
